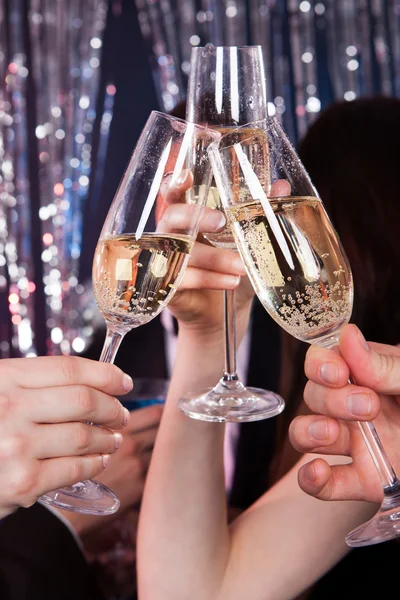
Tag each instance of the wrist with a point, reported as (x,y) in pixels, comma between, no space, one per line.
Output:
(6,511)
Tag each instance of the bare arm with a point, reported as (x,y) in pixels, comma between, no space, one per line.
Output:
(276,549)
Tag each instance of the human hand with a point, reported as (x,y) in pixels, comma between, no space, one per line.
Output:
(197,304)
(210,269)
(338,404)
(125,475)
(44,443)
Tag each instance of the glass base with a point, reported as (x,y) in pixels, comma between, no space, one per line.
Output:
(88,497)
(384,526)
(231,401)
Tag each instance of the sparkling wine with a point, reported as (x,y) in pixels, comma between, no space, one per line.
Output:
(133,280)
(224,238)
(296,264)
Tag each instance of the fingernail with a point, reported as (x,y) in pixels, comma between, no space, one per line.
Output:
(127,382)
(309,473)
(238,265)
(363,341)
(127,416)
(359,404)
(106,460)
(118,439)
(180,180)
(318,430)
(215,220)
(221,220)
(329,372)
(231,281)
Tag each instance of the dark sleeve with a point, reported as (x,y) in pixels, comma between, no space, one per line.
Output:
(256,445)
(40,560)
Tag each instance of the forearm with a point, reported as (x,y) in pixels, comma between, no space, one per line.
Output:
(185,548)
(183,542)
(287,540)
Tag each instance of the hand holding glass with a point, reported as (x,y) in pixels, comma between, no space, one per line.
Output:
(144,248)
(296,264)
(226,89)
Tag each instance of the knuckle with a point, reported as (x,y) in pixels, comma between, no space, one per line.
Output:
(12,447)
(387,369)
(107,375)
(83,436)
(86,400)
(69,368)
(204,279)
(23,484)
(77,469)
(106,443)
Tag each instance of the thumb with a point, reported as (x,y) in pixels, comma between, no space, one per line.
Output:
(376,366)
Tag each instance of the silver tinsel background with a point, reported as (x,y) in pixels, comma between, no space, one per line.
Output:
(315,52)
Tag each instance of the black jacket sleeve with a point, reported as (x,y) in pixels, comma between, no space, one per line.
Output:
(40,560)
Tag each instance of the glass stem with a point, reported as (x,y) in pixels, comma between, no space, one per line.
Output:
(230,336)
(111,345)
(390,482)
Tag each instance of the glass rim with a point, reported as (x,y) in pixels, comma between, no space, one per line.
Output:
(211,132)
(212,46)
(216,146)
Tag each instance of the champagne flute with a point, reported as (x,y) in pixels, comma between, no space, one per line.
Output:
(297,266)
(226,89)
(143,250)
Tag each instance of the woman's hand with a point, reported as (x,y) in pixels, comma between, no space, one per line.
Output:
(198,303)
(44,442)
(338,404)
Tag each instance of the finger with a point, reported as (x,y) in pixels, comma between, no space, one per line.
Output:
(326,367)
(350,402)
(338,482)
(73,403)
(61,472)
(375,369)
(144,418)
(281,187)
(204,279)
(74,439)
(142,442)
(180,217)
(172,191)
(216,259)
(313,433)
(54,371)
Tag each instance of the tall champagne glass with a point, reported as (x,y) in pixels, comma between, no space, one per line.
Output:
(297,266)
(143,250)
(227,89)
